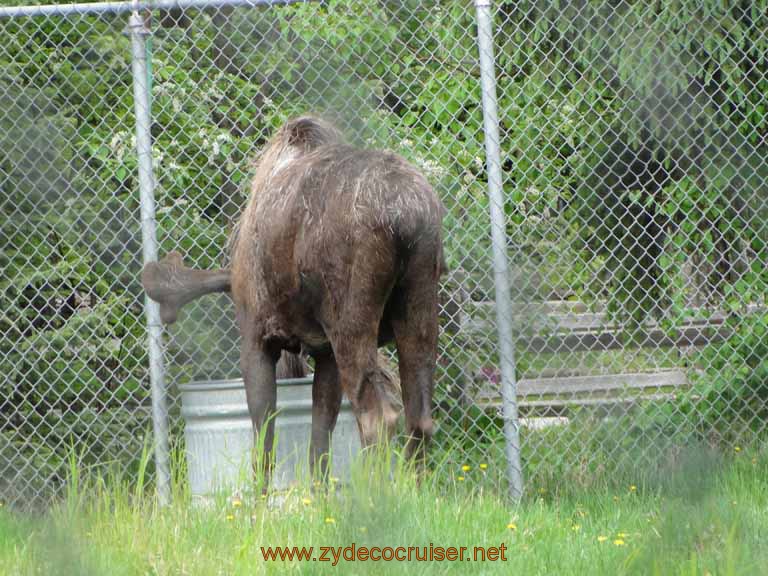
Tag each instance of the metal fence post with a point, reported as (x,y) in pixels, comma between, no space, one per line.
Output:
(499,241)
(138,32)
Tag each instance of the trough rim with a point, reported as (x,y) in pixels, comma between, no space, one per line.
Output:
(237,383)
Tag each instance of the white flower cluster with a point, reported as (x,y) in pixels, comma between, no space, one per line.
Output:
(432,169)
(211,91)
(123,142)
(567,113)
(212,144)
(174,203)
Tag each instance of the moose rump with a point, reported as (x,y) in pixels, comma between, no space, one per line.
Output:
(338,251)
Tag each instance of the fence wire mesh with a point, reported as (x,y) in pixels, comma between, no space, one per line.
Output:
(633,151)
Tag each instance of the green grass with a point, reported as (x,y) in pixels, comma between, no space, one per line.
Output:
(704,513)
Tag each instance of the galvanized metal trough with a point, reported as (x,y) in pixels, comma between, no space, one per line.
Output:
(219,435)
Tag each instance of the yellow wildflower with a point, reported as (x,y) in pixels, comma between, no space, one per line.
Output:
(330,520)
(737,448)
(230,517)
(602,538)
(466,468)
(633,488)
(483,466)
(306,501)
(618,542)
(512,526)
(236,502)
(460,478)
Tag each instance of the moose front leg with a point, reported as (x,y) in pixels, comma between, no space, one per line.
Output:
(326,402)
(258,367)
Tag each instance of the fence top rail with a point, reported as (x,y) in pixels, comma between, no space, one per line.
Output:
(82,8)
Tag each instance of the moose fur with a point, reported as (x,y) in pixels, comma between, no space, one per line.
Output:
(170,283)
(338,251)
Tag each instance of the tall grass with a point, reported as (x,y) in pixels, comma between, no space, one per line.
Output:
(704,513)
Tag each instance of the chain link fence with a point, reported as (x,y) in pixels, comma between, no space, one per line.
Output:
(632,146)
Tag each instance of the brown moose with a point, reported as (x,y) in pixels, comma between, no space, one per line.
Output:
(337,252)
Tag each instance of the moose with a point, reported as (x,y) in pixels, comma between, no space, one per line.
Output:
(337,252)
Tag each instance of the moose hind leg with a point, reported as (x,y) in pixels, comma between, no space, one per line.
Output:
(414,321)
(258,369)
(326,402)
